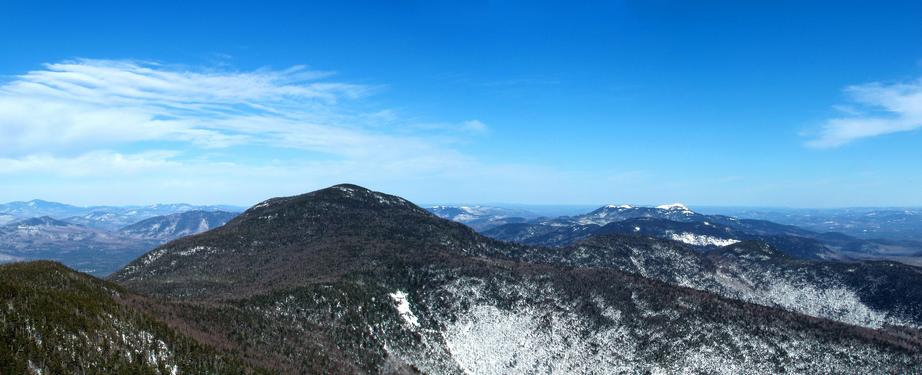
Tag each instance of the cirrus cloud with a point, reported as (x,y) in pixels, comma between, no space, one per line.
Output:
(96,122)
(880,109)
(83,105)
(123,132)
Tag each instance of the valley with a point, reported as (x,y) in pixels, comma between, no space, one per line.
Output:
(92,247)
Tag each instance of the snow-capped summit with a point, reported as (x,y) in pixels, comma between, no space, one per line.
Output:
(622,206)
(674,206)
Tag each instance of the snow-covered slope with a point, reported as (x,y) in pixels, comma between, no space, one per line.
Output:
(170,227)
(346,280)
(702,239)
(872,294)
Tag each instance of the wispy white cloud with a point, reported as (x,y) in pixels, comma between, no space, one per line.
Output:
(99,131)
(91,164)
(99,118)
(87,104)
(117,178)
(475,126)
(878,109)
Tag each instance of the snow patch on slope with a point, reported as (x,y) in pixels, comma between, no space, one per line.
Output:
(491,340)
(701,240)
(553,337)
(403,308)
(261,205)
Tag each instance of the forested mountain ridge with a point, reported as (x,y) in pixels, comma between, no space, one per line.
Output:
(54,320)
(347,280)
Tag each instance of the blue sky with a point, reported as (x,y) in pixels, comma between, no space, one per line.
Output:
(716,103)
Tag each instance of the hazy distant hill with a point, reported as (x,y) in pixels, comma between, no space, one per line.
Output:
(86,249)
(482,217)
(679,223)
(37,208)
(170,227)
(897,224)
(94,250)
(101,217)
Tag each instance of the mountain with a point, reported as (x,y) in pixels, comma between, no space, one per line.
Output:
(327,232)
(37,208)
(44,221)
(58,321)
(706,235)
(869,294)
(613,213)
(346,280)
(115,218)
(87,249)
(678,222)
(111,219)
(101,217)
(894,224)
(170,227)
(673,221)
(98,251)
(482,217)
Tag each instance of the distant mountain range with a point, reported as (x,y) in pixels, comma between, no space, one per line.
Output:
(679,223)
(895,224)
(90,250)
(95,250)
(102,217)
(482,217)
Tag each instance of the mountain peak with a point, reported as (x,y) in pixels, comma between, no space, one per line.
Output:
(674,206)
(325,233)
(350,195)
(349,186)
(351,190)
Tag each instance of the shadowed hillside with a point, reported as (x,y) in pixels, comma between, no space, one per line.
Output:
(54,320)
